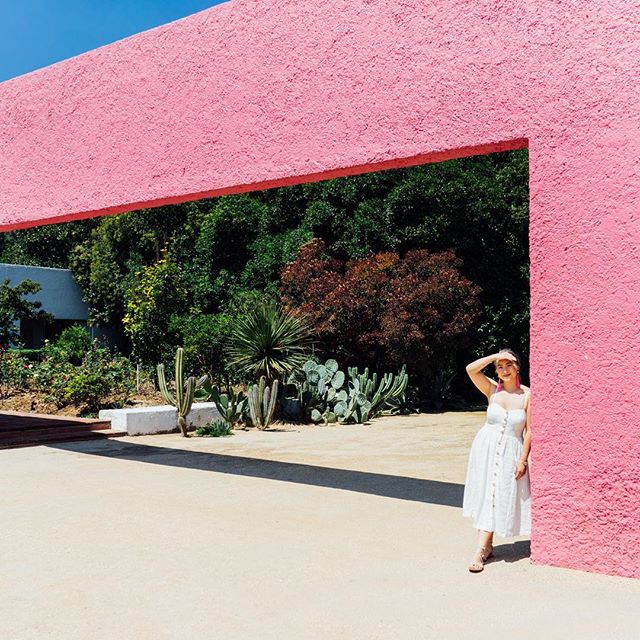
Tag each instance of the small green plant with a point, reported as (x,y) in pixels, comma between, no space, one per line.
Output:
(262,402)
(214,429)
(232,406)
(183,398)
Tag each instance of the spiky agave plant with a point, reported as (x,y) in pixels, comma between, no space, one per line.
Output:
(269,341)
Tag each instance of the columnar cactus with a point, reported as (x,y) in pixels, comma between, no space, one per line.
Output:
(262,403)
(184,392)
(390,388)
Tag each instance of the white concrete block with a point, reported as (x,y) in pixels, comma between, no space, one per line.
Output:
(160,419)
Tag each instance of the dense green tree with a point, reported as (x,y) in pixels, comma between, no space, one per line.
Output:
(157,295)
(227,249)
(203,337)
(120,246)
(47,246)
(14,306)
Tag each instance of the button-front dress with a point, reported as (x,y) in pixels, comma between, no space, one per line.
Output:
(493,498)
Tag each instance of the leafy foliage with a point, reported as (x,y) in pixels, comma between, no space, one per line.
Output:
(14,371)
(100,378)
(75,341)
(157,294)
(47,246)
(384,309)
(203,337)
(223,251)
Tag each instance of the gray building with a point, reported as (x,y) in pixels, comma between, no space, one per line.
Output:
(60,296)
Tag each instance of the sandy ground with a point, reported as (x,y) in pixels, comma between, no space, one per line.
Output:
(317,532)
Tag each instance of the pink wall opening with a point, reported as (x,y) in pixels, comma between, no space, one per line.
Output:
(252,94)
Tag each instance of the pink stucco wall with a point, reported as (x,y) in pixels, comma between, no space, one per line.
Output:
(263,93)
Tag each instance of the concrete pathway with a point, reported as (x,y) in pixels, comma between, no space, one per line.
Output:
(321,532)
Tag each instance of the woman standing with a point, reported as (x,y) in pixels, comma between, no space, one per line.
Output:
(497,491)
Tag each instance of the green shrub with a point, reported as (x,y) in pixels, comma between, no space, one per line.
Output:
(101,377)
(158,292)
(214,429)
(75,341)
(14,372)
(202,337)
(32,355)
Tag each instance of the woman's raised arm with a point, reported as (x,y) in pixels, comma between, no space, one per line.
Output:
(474,370)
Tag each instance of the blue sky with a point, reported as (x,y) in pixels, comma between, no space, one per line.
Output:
(37,33)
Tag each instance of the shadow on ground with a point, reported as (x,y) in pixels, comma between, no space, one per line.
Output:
(403,488)
(511,552)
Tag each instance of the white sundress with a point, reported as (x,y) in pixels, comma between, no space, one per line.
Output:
(493,498)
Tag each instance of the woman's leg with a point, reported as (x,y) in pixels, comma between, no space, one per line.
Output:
(485,544)
(485,539)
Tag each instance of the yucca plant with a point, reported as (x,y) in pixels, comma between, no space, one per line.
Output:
(269,341)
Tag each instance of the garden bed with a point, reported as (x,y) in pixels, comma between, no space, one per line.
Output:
(36,402)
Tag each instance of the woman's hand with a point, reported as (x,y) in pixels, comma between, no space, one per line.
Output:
(521,470)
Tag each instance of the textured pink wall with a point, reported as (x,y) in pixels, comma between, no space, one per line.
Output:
(256,93)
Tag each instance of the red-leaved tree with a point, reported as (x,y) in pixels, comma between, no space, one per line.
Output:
(385,310)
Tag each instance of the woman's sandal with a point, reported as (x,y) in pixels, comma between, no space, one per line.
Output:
(476,567)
